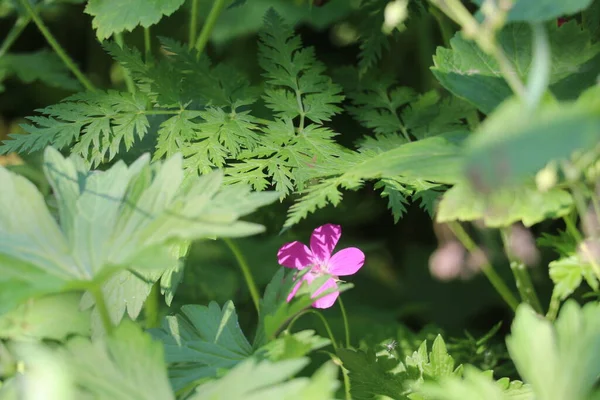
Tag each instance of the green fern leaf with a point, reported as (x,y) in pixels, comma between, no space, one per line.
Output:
(99,122)
(297,85)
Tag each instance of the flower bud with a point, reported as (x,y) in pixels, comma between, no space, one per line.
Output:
(446,263)
(521,245)
(475,261)
(394,14)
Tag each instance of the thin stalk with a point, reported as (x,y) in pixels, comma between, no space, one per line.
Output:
(245,271)
(522,278)
(525,286)
(102,309)
(323,319)
(444,23)
(553,308)
(14,34)
(209,25)
(147,45)
(572,229)
(345,318)
(126,75)
(57,47)
(193,28)
(486,268)
(151,307)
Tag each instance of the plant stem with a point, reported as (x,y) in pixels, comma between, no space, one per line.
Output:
(245,271)
(345,318)
(323,319)
(486,268)
(151,307)
(14,34)
(522,278)
(193,24)
(209,24)
(57,47)
(126,75)
(553,308)
(147,45)
(525,286)
(572,229)
(102,310)
(444,24)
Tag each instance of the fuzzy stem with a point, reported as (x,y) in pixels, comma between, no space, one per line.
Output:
(245,271)
(193,28)
(486,268)
(345,318)
(102,309)
(209,25)
(57,47)
(522,278)
(14,34)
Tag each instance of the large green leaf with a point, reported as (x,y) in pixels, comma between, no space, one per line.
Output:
(515,143)
(115,16)
(271,381)
(124,217)
(200,341)
(50,317)
(476,385)
(559,361)
(503,207)
(543,10)
(469,73)
(126,365)
(436,159)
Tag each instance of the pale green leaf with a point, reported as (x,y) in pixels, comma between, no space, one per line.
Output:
(568,273)
(514,143)
(559,361)
(115,16)
(50,317)
(126,365)
(503,207)
(265,380)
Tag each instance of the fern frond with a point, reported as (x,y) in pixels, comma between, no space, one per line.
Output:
(99,122)
(297,84)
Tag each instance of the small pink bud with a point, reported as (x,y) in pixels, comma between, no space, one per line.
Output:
(521,245)
(446,263)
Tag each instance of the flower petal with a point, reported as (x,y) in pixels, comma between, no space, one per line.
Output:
(294,255)
(346,262)
(323,241)
(328,300)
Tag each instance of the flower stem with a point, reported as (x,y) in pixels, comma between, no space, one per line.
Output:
(57,47)
(345,318)
(14,34)
(486,268)
(209,25)
(522,278)
(245,271)
(193,24)
(102,310)
(323,319)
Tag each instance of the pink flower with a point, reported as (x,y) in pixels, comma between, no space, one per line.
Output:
(320,261)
